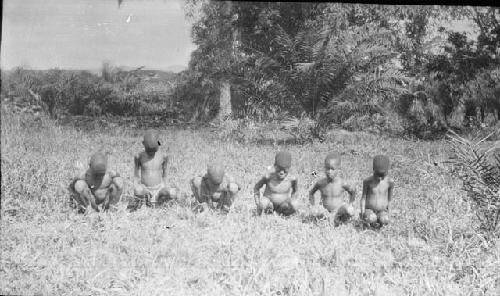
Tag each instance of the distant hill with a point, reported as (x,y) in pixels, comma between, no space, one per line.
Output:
(176,68)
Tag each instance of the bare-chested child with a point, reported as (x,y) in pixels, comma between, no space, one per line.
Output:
(150,175)
(377,193)
(96,186)
(216,189)
(281,188)
(332,189)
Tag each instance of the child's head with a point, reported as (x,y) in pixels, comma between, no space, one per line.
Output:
(98,164)
(215,173)
(380,166)
(151,141)
(332,165)
(282,163)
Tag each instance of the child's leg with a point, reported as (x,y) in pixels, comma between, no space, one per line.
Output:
(344,213)
(83,196)
(383,218)
(370,216)
(287,208)
(74,197)
(196,189)
(116,190)
(318,212)
(112,196)
(228,197)
(166,194)
(140,197)
(264,205)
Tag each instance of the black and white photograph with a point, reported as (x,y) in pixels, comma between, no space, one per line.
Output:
(202,147)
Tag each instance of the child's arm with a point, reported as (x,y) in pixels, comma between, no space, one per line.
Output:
(363,197)
(257,187)
(87,194)
(117,180)
(389,192)
(137,168)
(210,201)
(294,188)
(313,190)
(351,190)
(164,167)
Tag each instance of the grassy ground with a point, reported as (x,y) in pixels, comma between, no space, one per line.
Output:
(431,248)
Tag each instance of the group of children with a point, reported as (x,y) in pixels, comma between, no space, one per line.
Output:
(217,190)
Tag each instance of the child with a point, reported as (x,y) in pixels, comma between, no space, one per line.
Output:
(377,193)
(215,189)
(96,186)
(151,186)
(281,188)
(332,188)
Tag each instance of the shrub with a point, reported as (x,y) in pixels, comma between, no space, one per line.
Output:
(479,170)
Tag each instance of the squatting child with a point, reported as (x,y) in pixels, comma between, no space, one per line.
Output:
(150,175)
(96,186)
(281,188)
(377,193)
(332,188)
(216,189)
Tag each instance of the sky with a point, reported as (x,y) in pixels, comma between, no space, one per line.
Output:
(82,34)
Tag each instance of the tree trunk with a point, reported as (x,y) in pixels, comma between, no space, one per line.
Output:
(225,109)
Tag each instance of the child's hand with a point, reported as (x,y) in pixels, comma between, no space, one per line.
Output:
(317,210)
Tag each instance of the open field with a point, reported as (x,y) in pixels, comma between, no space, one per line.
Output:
(429,249)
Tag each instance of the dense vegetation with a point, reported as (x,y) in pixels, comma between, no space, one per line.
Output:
(391,68)
(113,91)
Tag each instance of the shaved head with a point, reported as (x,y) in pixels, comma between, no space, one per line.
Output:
(151,141)
(215,173)
(98,163)
(283,159)
(332,156)
(381,164)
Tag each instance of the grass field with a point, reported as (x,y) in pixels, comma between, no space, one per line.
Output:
(431,247)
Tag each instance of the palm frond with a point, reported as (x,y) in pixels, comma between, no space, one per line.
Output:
(480,174)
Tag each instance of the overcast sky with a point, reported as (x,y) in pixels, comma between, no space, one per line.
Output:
(82,34)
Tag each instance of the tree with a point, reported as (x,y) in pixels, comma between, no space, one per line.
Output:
(216,57)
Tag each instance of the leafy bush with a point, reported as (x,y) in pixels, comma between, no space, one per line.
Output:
(479,170)
(82,93)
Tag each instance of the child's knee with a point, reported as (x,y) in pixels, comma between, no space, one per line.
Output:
(233,188)
(264,204)
(118,182)
(383,218)
(370,216)
(139,190)
(295,204)
(172,193)
(196,182)
(318,211)
(80,186)
(115,193)
(349,210)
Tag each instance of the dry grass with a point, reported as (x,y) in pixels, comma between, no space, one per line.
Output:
(431,248)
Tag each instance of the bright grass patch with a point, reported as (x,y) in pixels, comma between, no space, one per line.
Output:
(430,248)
